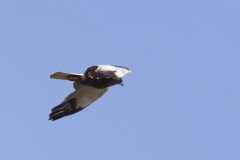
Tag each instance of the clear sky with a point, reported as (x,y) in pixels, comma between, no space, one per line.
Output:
(180,102)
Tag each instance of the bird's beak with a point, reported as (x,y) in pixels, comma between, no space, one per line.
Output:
(121,83)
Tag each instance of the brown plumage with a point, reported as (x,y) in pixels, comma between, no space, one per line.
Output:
(88,87)
(95,82)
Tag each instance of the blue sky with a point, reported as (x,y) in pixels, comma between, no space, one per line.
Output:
(180,102)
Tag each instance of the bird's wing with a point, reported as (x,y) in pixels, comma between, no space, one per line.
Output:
(63,75)
(106,71)
(77,86)
(76,101)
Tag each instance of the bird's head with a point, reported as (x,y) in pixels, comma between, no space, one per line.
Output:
(119,81)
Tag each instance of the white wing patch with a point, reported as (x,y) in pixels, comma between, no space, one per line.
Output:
(106,68)
(119,72)
(122,72)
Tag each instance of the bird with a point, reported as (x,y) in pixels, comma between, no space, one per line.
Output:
(89,87)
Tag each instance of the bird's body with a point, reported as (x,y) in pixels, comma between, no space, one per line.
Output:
(88,87)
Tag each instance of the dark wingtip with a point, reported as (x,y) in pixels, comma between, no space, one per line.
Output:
(53,118)
(64,109)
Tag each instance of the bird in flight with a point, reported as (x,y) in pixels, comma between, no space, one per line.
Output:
(88,87)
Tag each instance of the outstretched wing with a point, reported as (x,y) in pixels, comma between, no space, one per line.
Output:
(76,101)
(106,71)
(77,86)
(63,75)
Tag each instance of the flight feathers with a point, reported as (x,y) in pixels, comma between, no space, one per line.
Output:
(88,87)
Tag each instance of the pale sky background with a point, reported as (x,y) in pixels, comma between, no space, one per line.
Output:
(180,102)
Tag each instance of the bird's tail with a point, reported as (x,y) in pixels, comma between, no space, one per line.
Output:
(64,76)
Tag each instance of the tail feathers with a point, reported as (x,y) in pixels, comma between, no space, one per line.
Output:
(66,108)
(63,75)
